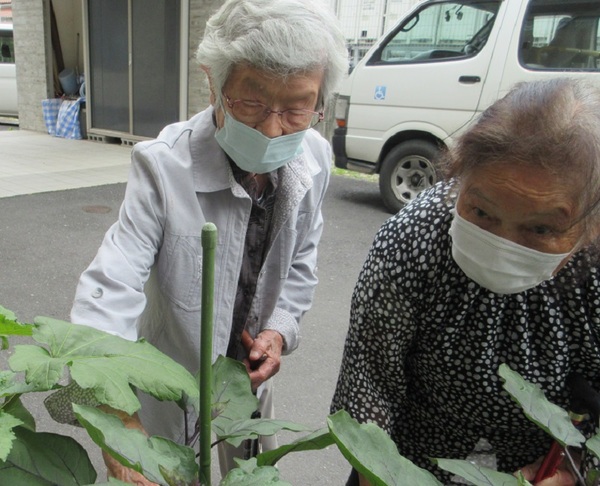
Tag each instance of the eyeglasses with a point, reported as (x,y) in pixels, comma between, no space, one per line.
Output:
(253,112)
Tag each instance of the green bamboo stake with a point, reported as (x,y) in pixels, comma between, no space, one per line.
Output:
(209,245)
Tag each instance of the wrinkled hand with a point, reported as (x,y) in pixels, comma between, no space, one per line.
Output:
(562,477)
(114,469)
(264,355)
(362,481)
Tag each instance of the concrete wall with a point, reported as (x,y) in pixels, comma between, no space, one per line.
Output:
(31,20)
(33,49)
(198,93)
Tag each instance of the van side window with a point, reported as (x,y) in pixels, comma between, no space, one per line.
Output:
(561,36)
(7,47)
(440,31)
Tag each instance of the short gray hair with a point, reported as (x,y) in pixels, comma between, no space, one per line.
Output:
(281,37)
(553,124)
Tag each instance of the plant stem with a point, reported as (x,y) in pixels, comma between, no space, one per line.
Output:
(209,245)
(574,468)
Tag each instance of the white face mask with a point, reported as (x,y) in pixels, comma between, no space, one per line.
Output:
(252,151)
(500,265)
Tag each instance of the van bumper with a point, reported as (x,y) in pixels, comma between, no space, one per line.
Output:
(338,143)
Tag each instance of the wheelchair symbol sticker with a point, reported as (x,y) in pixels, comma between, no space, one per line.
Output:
(380,92)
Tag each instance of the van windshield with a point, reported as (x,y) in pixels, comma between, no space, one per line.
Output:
(440,30)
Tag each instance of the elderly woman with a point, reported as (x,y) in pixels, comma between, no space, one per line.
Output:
(251,165)
(495,265)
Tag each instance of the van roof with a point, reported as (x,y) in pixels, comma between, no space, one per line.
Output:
(6,26)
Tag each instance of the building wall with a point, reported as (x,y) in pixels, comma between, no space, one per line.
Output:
(36,76)
(33,49)
(198,93)
(31,20)
(33,46)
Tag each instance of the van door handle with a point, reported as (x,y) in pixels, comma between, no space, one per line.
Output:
(469,79)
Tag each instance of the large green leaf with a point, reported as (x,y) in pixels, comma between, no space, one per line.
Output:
(174,477)
(113,482)
(232,396)
(372,453)
(233,403)
(248,474)
(521,481)
(106,363)
(6,314)
(477,475)
(320,439)
(10,385)
(41,458)
(593,444)
(41,369)
(7,423)
(235,432)
(9,325)
(133,449)
(15,407)
(592,477)
(546,415)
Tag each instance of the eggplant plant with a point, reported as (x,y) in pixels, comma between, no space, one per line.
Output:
(554,420)
(107,370)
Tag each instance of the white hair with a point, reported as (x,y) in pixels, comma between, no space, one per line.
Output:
(281,37)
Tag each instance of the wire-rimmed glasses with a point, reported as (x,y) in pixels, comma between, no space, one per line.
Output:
(253,112)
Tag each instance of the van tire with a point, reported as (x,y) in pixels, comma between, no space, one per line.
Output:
(406,170)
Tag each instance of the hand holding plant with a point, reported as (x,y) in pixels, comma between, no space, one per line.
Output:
(562,477)
(264,355)
(114,468)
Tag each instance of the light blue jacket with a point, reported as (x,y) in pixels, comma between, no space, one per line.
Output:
(146,278)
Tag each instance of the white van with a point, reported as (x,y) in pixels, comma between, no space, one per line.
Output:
(8,72)
(442,64)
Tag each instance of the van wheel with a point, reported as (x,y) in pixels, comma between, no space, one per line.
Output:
(406,170)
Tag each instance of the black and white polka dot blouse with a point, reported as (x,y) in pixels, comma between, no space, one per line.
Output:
(425,343)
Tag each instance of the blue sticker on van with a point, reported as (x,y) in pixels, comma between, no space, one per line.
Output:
(380,92)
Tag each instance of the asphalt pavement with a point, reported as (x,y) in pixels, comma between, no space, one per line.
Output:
(48,238)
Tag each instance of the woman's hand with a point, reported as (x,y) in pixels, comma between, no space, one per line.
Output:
(562,477)
(264,355)
(362,480)
(114,469)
